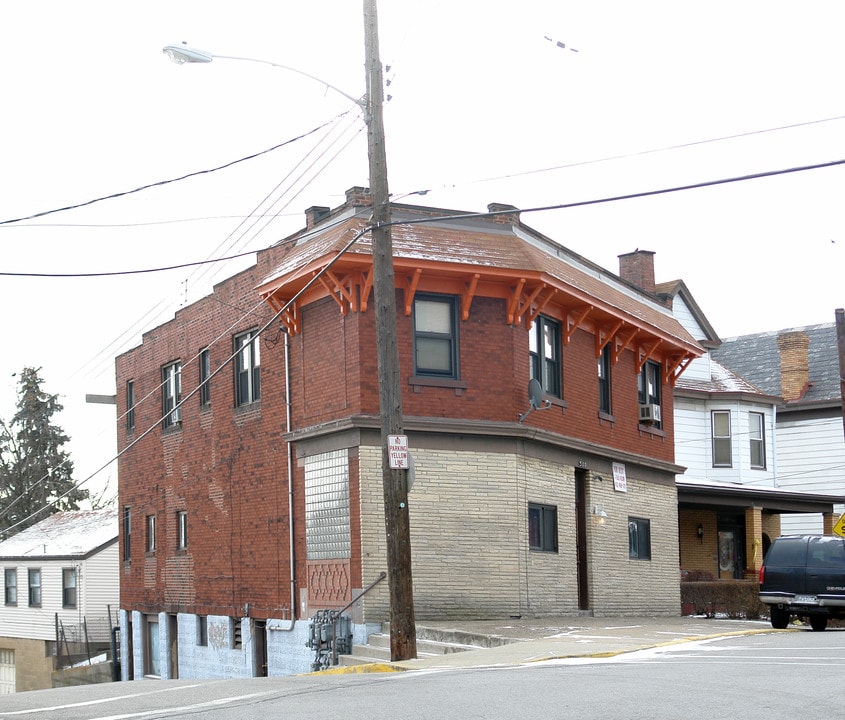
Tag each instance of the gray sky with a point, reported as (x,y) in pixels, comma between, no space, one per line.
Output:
(486,107)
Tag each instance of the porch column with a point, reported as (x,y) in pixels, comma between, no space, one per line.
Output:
(753,541)
(828,521)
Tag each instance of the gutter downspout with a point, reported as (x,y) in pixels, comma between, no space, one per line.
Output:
(289,458)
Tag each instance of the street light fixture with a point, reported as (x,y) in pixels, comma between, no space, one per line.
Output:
(403,635)
(181,54)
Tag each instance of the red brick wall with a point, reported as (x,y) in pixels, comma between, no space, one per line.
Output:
(227,466)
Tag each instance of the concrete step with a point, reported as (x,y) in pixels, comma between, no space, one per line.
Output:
(431,642)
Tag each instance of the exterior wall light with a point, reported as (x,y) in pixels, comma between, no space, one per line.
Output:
(599,515)
(700,532)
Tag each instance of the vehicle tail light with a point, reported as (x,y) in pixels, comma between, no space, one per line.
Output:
(762,573)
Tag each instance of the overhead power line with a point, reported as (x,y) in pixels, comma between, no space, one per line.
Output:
(171,180)
(439,218)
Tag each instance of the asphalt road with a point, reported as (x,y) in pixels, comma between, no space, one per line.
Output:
(780,675)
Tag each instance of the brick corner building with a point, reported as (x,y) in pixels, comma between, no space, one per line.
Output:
(251,489)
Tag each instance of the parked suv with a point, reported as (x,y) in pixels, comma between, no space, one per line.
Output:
(804,576)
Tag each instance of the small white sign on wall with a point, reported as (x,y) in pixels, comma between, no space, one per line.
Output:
(620,480)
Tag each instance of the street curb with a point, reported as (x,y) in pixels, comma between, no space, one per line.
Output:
(389,667)
(668,643)
(360,669)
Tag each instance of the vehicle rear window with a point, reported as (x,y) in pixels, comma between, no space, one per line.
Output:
(787,552)
(826,552)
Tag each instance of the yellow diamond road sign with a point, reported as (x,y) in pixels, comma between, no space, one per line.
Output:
(839,528)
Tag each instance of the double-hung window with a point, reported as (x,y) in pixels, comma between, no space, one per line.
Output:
(604,381)
(649,389)
(151,533)
(69,587)
(247,368)
(171,394)
(127,533)
(34,587)
(130,405)
(544,348)
(721,437)
(182,530)
(10,579)
(205,374)
(757,440)
(436,336)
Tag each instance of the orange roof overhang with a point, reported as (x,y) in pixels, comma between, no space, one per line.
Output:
(348,279)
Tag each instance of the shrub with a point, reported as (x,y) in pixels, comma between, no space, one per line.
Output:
(734,598)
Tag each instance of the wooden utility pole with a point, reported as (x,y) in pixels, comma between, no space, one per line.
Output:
(840,341)
(403,632)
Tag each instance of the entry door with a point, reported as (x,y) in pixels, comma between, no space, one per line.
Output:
(173,633)
(731,555)
(7,672)
(259,637)
(581,539)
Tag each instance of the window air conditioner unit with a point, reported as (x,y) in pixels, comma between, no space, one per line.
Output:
(650,413)
(176,415)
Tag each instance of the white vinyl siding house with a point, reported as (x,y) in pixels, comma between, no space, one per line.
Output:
(815,467)
(69,547)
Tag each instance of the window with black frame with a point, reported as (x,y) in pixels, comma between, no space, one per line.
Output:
(639,538)
(542,527)
(247,368)
(436,336)
(171,395)
(604,381)
(544,348)
(649,387)
(205,374)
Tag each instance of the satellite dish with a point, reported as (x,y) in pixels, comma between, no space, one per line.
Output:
(535,393)
(535,399)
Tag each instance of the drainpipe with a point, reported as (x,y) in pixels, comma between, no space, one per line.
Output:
(288,424)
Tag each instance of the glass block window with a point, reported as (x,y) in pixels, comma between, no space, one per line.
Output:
(327,526)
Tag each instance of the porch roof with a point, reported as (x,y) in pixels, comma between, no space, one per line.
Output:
(706,493)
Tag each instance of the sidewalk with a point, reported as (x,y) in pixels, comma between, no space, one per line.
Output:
(515,642)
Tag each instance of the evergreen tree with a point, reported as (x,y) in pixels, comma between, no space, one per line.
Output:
(36,475)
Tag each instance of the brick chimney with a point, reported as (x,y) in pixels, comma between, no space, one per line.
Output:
(359,197)
(507,217)
(794,364)
(638,269)
(314,214)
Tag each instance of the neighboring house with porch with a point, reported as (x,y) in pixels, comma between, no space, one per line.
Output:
(801,366)
(735,489)
(60,577)
(250,478)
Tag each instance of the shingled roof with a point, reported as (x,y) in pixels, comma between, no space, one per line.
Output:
(756,358)
(483,252)
(74,533)
(722,380)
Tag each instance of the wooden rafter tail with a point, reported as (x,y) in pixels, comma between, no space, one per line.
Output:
(334,293)
(290,318)
(644,355)
(366,287)
(678,365)
(604,336)
(411,290)
(513,303)
(524,306)
(573,321)
(541,304)
(621,344)
(468,295)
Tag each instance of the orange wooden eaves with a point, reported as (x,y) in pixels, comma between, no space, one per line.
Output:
(349,283)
